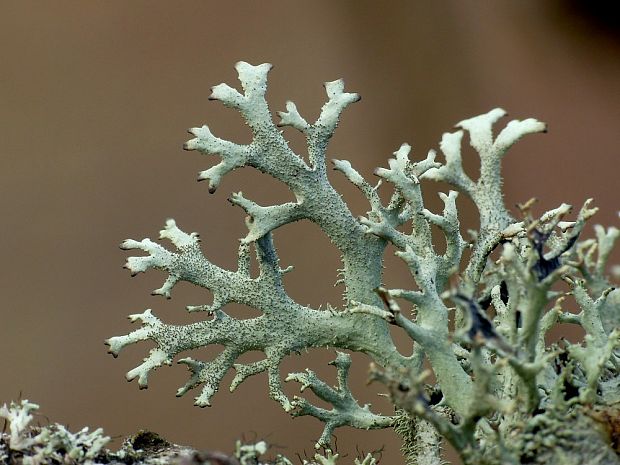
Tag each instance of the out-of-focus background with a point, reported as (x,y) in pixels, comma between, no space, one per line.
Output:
(95,99)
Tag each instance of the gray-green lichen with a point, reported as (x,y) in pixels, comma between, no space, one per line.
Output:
(23,443)
(501,393)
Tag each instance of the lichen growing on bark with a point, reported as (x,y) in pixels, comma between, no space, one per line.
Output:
(501,393)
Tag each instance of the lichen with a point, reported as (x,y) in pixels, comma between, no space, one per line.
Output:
(53,443)
(501,393)
(23,443)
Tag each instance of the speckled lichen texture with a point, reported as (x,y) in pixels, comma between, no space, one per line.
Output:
(478,312)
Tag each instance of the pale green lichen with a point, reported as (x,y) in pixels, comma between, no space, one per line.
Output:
(499,384)
(23,443)
(48,444)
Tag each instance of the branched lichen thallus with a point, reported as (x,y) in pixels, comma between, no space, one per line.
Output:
(500,394)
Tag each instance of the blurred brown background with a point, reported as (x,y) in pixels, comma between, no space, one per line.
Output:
(95,98)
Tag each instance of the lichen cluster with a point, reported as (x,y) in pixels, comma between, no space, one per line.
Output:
(24,443)
(479,312)
(21,442)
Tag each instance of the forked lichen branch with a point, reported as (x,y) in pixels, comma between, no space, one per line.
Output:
(496,375)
